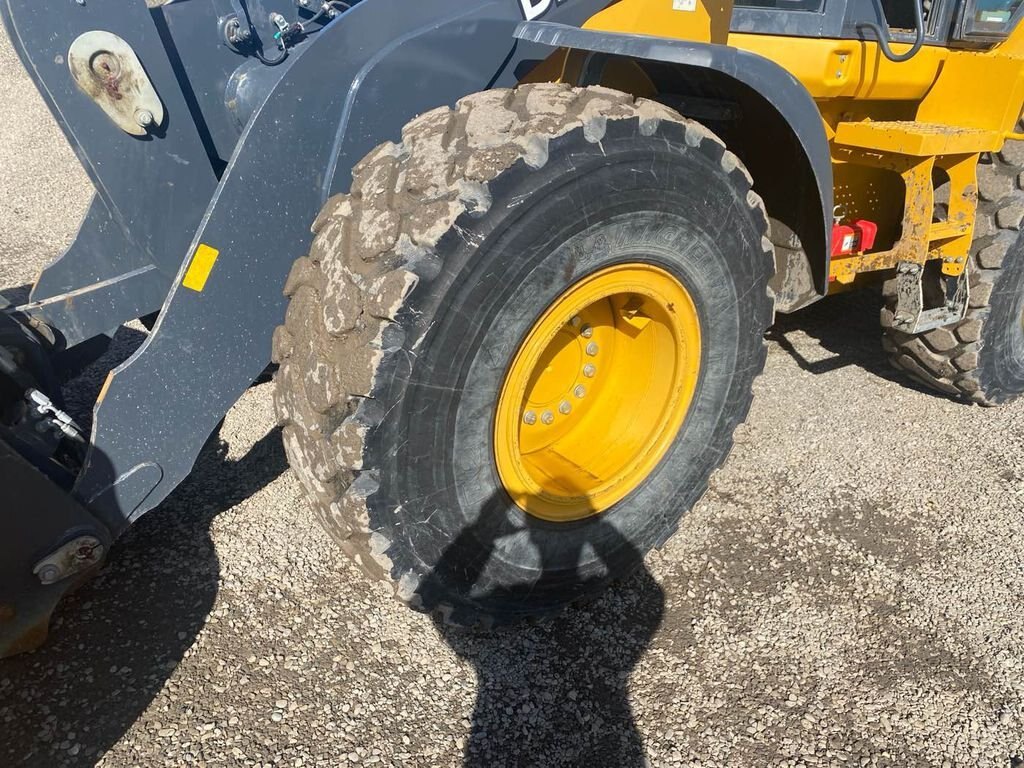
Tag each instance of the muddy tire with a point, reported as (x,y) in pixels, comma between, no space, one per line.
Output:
(980,358)
(424,279)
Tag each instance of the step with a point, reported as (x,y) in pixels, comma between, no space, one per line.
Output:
(944,230)
(916,139)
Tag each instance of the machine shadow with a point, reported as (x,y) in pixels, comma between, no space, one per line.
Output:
(15,294)
(555,692)
(115,643)
(846,326)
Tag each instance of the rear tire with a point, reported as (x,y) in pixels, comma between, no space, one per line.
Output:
(420,286)
(981,358)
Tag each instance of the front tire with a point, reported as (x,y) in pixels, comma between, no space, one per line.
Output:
(426,279)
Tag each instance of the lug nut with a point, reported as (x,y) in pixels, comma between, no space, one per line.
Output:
(592,348)
(586,332)
(580,391)
(589,371)
(575,321)
(144,117)
(564,408)
(547,417)
(530,417)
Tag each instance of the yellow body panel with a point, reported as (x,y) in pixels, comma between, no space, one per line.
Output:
(847,69)
(891,125)
(977,90)
(965,88)
(913,138)
(707,22)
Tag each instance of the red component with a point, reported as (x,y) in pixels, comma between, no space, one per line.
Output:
(844,240)
(858,238)
(867,230)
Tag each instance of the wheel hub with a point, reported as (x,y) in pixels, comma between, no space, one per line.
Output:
(597,392)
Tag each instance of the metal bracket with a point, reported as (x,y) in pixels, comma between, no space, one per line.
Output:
(911,316)
(107,70)
(74,557)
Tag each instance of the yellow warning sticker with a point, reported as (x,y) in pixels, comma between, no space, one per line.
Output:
(201,267)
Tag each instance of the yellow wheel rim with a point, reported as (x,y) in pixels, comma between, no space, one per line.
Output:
(597,392)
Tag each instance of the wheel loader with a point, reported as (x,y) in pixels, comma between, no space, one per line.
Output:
(513,260)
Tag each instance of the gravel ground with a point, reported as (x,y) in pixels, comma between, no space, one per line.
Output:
(838,598)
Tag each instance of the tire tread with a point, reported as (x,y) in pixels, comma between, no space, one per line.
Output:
(377,242)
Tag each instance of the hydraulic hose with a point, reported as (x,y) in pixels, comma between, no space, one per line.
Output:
(883,42)
(240,33)
(327,6)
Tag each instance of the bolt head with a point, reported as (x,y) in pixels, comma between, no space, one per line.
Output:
(575,321)
(564,408)
(547,417)
(580,391)
(592,348)
(586,332)
(530,417)
(144,117)
(589,371)
(49,574)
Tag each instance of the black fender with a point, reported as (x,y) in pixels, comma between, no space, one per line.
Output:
(773,91)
